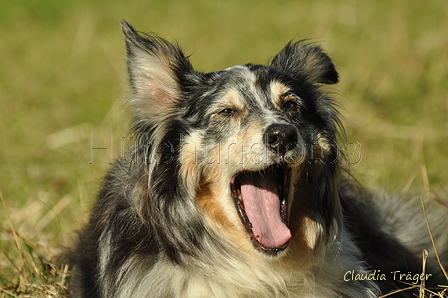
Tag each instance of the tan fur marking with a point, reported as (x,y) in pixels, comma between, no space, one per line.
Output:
(189,160)
(232,99)
(277,90)
(207,201)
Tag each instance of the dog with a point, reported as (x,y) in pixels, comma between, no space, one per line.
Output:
(235,187)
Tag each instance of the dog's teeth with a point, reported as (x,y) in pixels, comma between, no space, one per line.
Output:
(238,195)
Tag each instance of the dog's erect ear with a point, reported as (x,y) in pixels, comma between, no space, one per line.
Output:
(308,61)
(156,70)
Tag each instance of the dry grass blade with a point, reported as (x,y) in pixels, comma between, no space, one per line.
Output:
(439,199)
(33,272)
(422,287)
(53,213)
(432,240)
(16,238)
(399,291)
(422,284)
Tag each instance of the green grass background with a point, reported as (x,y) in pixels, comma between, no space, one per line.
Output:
(63,81)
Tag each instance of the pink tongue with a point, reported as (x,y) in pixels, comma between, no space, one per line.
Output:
(262,205)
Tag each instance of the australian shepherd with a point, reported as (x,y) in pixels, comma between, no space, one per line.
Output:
(234,188)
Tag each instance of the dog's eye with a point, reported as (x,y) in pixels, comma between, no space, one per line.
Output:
(290,105)
(227,112)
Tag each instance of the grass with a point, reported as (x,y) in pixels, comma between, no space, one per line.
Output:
(63,79)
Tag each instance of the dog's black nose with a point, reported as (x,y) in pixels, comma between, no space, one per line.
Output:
(281,137)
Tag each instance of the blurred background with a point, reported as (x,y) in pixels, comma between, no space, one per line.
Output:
(63,83)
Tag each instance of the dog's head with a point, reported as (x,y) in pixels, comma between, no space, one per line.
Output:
(250,151)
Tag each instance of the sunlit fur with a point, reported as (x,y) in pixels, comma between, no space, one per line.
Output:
(165,223)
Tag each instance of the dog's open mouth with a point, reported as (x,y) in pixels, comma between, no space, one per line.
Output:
(261,200)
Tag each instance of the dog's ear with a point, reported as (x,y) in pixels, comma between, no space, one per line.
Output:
(309,61)
(156,71)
